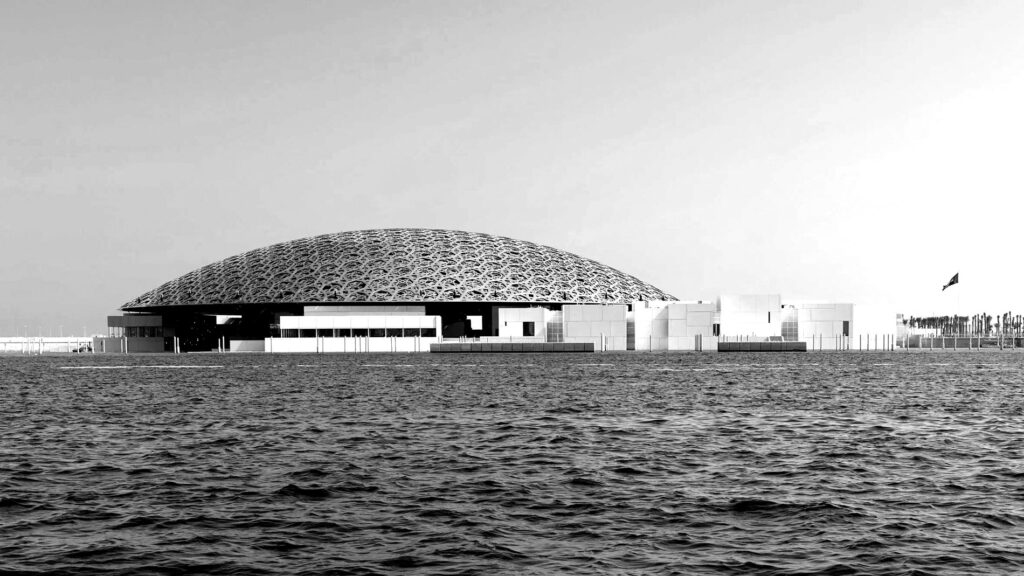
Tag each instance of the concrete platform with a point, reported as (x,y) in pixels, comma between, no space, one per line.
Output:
(762,346)
(511,348)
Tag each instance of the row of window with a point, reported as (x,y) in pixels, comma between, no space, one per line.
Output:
(358,332)
(554,330)
(791,330)
(136,331)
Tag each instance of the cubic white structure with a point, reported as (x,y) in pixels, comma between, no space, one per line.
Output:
(661,325)
(602,325)
(751,315)
(523,324)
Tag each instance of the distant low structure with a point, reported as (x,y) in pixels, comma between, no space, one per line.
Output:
(45,345)
(403,290)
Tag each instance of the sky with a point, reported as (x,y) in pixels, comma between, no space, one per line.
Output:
(831,150)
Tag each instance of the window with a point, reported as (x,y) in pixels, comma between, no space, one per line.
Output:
(790,324)
(342,332)
(555,333)
(410,332)
(289,333)
(428,332)
(790,331)
(528,329)
(360,332)
(389,332)
(846,327)
(307,333)
(376,332)
(716,329)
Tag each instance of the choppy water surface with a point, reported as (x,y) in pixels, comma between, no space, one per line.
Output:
(587,464)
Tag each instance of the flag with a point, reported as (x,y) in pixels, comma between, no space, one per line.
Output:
(954,280)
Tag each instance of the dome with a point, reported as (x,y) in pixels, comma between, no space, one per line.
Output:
(401,266)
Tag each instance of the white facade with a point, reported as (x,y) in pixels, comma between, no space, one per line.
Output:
(661,325)
(325,323)
(355,333)
(752,315)
(522,324)
(824,325)
(602,325)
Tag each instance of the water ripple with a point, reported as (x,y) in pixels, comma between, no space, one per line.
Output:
(634,463)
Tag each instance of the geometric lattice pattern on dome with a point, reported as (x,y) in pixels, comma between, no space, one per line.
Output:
(401,265)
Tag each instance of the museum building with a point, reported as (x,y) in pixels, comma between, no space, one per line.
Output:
(373,290)
(402,290)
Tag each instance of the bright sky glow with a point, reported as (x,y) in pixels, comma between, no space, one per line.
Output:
(852,151)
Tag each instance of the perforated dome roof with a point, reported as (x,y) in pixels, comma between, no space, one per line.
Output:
(401,265)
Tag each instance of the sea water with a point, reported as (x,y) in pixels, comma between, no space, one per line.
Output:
(617,463)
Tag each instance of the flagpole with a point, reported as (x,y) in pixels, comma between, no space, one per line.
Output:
(954,281)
